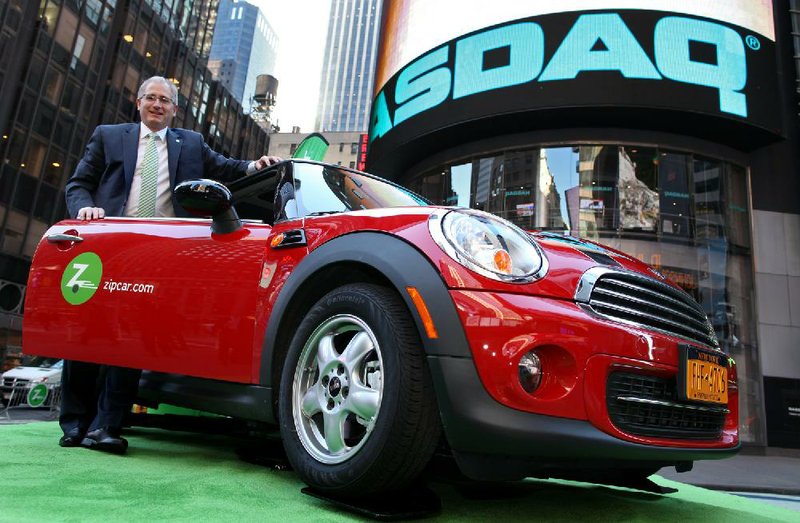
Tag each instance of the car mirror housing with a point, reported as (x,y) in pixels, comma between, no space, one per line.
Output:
(204,198)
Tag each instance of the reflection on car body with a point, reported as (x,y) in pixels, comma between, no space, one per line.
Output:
(374,328)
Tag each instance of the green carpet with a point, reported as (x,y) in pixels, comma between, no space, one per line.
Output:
(170,476)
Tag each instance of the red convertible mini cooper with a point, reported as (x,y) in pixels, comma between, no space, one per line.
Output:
(374,328)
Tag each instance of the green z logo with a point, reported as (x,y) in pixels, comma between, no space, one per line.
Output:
(37,395)
(81,278)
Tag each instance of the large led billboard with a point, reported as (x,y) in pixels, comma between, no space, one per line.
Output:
(456,69)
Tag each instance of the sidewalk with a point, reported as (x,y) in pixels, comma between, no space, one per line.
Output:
(754,469)
(26,415)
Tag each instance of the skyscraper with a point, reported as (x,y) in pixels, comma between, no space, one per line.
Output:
(348,67)
(244,47)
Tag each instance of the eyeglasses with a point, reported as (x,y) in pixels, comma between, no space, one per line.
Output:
(151,98)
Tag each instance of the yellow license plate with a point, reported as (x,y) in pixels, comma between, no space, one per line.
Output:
(703,376)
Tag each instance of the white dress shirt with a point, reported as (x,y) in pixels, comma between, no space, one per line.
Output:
(163,192)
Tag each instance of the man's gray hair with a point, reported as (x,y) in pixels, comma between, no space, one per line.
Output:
(153,79)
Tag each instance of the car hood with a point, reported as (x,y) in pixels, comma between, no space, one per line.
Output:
(568,258)
(30,373)
(560,246)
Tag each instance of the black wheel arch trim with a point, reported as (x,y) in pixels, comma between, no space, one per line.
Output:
(402,264)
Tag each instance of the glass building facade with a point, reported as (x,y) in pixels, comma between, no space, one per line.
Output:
(244,46)
(348,66)
(67,66)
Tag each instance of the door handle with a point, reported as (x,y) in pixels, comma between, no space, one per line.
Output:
(61,237)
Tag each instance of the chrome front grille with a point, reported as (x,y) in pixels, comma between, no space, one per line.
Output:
(645,302)
(12,382)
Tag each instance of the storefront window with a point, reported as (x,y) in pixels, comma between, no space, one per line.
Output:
(460,193)
(432,184)
(737,222)
(515,189)
(598,168)
(675,198)
(483,171)
(708,209)
(686,215)
(636,189)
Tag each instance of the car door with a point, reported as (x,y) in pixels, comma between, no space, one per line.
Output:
(164,295)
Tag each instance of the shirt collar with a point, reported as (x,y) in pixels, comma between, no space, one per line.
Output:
(144,131)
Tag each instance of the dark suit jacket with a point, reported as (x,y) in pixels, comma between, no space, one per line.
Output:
(104,174)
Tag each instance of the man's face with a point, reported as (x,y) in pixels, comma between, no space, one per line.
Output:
(156,107)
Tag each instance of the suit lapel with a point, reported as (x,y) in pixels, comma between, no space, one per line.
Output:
(130,149)
(174,143)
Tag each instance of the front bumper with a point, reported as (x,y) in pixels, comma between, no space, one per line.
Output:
(493,442)
(498,431)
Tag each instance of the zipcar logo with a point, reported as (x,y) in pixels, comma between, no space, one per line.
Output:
(429,81)
(37,395)
(81,278)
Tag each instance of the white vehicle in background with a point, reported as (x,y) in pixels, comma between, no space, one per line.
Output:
(35,383)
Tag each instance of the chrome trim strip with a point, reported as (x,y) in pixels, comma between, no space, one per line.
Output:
(590,277)
(632,312)
(662,403)
(665,297)
(698,331)
(587,282)
(706,343)
(628,297)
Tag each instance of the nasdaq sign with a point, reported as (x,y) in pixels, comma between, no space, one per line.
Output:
(540,63)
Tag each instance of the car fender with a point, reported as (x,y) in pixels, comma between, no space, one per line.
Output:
(401,264)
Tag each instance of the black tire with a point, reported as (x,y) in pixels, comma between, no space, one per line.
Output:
(357,409)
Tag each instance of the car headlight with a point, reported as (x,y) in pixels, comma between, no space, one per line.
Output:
(488,245)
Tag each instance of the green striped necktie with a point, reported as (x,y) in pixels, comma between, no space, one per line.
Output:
(149,174)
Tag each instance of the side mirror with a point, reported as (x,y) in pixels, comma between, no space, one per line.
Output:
(204,198)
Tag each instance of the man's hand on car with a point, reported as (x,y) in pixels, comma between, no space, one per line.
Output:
(91,213)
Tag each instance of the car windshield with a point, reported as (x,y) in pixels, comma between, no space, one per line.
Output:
(313,189)
(40,361)
(326,189)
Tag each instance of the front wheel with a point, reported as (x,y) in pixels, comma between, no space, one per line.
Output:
(356,407)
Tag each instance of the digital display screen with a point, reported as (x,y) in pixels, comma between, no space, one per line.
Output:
(412,27)
(509,66)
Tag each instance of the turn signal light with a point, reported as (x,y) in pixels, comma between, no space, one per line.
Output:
(424,314)
(502,260)
(276,240)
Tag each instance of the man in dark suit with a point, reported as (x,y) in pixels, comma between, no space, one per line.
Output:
(131,170)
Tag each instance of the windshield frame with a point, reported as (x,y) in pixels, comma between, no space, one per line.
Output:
(336,189)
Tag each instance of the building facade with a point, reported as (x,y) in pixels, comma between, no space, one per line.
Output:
(347,78)
(669,132)
(343,148)
(68,66)
(244,47)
